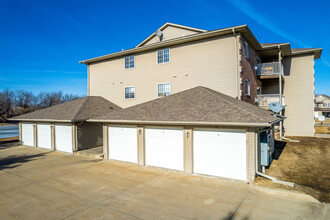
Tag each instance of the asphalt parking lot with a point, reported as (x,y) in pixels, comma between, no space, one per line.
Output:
(37,184)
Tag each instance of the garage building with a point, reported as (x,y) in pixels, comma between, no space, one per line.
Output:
(198,131)
(63,127)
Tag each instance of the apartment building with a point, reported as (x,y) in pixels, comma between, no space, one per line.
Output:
(322,106)
(185,99)
(229,60)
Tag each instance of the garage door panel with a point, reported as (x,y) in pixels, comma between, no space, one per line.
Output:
(44,136)
(220,153)
(164,148)
(63,138)
(123,144)
(28,134)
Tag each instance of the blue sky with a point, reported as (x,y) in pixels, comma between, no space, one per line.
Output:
(41,42)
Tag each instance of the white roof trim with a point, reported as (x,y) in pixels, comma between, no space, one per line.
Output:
(242,124)
(41,120)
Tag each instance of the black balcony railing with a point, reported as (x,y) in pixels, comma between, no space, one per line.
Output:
(268,69)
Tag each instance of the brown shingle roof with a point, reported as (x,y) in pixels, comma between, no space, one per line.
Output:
(73,111)
(198,104)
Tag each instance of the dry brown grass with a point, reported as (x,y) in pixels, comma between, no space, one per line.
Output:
(306,164)
(322,129)
(9,142)
(3,124)
(8,139)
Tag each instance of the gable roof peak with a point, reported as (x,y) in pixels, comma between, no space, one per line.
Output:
(164,26)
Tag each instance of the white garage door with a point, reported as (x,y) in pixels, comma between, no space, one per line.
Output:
(220,153)
(27,134)
(44,136)
(123,144)
(164,147)
(63,138)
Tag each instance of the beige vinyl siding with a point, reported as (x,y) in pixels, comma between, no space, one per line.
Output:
(299,95)
(188,149)
(141,145)
(171,32)
(209,63)
(250,152)
(105,141)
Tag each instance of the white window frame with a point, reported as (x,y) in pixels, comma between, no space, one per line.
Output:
(129,93)
(248,92)
(169,56)
(163,84)
(128,57)
(246,50)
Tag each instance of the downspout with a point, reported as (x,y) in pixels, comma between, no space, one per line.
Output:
(280,87)
(236,59)
(273,179)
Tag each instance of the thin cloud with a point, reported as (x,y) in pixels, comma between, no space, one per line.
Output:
(327,63)
(251,12)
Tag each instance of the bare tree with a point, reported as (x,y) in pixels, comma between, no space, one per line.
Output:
(47,99)
(21,102)
(69,97)
(25,99)
(7,98)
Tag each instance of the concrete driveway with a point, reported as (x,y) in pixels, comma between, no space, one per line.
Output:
(36,184)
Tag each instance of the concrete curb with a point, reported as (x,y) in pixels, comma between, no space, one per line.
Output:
(282,192)
(322,135)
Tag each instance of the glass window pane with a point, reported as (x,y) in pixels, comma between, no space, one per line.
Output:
(126,93)
(160,90)
(126,62)
(167,89)
(160,55)
(246,47)
(247,87)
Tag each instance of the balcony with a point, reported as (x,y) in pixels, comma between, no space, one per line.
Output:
(269,70)
(265,99)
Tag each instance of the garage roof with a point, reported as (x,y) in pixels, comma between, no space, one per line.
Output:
(198,105)
(73,111)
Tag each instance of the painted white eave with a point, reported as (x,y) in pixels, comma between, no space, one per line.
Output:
(238,124)
(41,120)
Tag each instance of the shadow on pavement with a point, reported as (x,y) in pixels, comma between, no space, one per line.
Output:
(15,161)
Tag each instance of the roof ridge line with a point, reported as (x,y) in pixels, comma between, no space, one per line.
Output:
(227,101)
(79,109)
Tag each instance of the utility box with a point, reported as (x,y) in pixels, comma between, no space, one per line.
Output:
(265,148)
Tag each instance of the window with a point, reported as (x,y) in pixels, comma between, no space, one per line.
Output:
(246,49)
(129,62)
(130,92)
(164,89)
(247,87)
(163,56)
